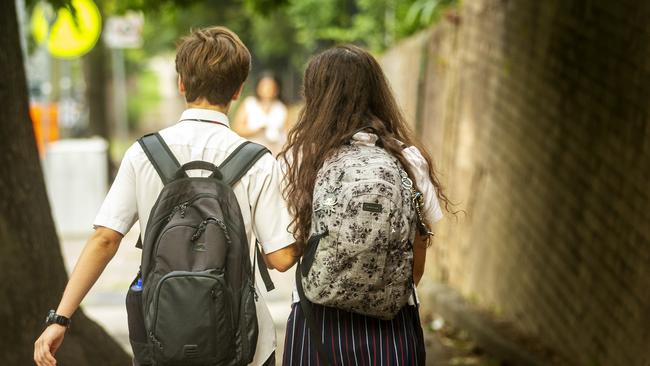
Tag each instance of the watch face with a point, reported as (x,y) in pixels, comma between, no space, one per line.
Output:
(50,317)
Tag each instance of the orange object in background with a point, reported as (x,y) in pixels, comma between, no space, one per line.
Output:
(45,119)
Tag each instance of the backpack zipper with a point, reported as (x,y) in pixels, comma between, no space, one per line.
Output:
(156,342)
(180,207)
(204,224)
(213,315)
(171,214)
(252,286)
(199,230)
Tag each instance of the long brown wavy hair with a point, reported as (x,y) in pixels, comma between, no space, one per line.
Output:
(345,91)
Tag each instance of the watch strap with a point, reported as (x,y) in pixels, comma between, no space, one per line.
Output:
(54,318)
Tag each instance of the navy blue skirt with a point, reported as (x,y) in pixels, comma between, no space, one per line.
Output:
(355,339)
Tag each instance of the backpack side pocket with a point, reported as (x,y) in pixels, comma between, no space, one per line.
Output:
(248,326)
(137,331)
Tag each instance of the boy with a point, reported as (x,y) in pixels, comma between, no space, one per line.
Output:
(212,64)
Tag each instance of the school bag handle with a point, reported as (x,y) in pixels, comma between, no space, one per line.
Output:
(198,165)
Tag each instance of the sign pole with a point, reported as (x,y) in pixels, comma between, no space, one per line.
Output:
(120,33)
(49,82)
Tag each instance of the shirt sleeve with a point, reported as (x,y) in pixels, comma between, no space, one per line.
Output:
(119,210)
(268,208)
(420,168)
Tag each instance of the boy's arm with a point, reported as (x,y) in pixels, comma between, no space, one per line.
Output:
(282,259)
(270,217)
(116,216)
(99,250)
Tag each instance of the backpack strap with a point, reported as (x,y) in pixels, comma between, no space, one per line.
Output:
(160,156)
(420,352)
(240,161)
(162,159)
(233,169)
(261,266)
(323,357)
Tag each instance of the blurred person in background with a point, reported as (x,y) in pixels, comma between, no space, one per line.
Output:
(262,118)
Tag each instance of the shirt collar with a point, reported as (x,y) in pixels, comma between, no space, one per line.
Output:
(205,115)
(364,138)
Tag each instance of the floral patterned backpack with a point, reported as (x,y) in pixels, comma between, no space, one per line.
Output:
(359,256)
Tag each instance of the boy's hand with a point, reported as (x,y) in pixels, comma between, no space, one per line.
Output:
(47,345)
(99,250)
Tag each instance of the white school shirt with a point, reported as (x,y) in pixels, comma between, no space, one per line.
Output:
(272,120)
(432,212)
(258,193)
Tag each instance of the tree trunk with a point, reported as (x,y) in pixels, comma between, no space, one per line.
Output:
(95,67)
(96,76)
(32,274)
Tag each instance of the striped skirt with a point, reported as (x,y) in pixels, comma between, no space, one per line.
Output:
(355,339)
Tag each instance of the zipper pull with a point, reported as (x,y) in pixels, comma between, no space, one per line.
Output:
(183,208)
(171,214)
(199,230)
(155,341)
(255,295)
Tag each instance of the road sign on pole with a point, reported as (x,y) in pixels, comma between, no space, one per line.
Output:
(124,31)
(66,35)
(120,33)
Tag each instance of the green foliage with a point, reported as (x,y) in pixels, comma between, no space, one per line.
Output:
(264,7)
(424,12)
(148,92)
(376,24)
(278,30)
(281,34)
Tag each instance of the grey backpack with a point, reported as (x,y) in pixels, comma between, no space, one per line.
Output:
(193,302)
(359,257)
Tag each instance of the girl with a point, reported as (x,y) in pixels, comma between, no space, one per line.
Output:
(262,118)
(346,92)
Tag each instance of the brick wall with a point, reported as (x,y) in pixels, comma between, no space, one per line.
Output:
(538,115)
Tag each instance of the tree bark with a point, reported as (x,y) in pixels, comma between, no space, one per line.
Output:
(95,67)
(96,76)
(32,273)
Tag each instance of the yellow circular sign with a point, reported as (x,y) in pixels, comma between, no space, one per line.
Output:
(67,35)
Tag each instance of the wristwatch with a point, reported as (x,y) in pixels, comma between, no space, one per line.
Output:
(54,318)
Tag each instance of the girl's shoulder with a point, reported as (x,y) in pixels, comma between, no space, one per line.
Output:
(416,159)
(420,168)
